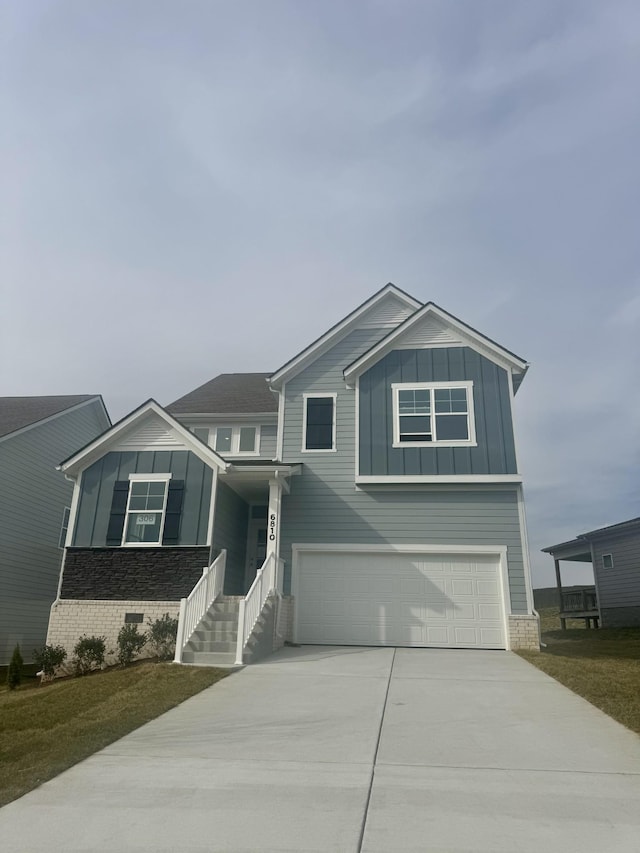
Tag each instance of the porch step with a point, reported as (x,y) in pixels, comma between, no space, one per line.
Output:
(222,631)
(209,658)
(212,645)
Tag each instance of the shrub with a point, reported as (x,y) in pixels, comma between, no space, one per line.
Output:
(162,636)
(130,642)
(49,658)
(14,673)
(88,654)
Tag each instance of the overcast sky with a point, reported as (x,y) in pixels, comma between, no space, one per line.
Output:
(191,188)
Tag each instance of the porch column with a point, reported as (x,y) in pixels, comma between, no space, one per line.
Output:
(556,562)
(273,518)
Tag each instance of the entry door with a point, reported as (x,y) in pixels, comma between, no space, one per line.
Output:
(256,548)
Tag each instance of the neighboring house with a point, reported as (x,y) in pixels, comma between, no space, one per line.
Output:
(365,493)
(35,433)
(614,553)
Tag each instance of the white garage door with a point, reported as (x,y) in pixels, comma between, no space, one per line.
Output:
(399,599)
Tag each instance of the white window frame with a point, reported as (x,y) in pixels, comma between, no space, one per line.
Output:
(396,387)
(320,395)
(611,565)
(146,478)
(64,527)
(235,439)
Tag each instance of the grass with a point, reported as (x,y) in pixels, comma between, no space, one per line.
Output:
(603,666)
(44,729)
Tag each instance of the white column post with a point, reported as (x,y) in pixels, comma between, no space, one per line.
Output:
(180,635)
(273,518)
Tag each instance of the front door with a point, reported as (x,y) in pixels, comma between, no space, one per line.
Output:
(256,548)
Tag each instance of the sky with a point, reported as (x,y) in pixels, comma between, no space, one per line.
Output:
(193,188)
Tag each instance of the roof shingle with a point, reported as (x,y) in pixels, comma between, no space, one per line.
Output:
(19,412)
(229,393)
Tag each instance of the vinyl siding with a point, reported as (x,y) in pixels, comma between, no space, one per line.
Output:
(495,450)
(619,586)
(33,496)
(96,492)
(230,532)
(325,507)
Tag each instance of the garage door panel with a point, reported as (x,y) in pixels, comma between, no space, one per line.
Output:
(369,598)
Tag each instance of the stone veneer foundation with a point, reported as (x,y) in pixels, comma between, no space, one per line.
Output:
(524,633)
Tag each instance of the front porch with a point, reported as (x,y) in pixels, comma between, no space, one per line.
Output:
(575,603)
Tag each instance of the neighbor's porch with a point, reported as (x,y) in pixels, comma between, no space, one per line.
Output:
(575,603)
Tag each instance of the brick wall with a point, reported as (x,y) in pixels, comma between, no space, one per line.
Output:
(524,632)
(146,574)
(69,620)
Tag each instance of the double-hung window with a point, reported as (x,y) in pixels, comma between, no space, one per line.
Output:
(237,440)
(433,413)
(146,508)
(319,422)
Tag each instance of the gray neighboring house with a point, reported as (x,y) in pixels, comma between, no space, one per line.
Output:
(365,493)
(614,553)
(35,501)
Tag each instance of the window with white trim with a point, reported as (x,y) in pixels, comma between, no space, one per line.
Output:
(146,509)
(237,440)
(319,422)
(607,561)
(64,527)
(433,413)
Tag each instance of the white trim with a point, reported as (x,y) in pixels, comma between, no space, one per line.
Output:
(524,538)
(512,395)
(281,410)
(500,551)
(235,439)
(212,507)
(214,418)
(146,478)
(99,446)
(357,437)
(296,364)
(75,500)
(396,387)
(469,337)
(384,479)
(43,421)
(319,396)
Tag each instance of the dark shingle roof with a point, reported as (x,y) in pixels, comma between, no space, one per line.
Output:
(237,393)
(19,412)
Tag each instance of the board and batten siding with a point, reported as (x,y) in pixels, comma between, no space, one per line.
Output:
(495,450)
(620,585)
(33,496)
(230,531)
(324,505)
(96,492)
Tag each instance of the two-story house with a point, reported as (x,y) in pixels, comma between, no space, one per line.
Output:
(365,493)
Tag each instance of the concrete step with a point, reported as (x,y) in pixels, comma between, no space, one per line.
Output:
(225,607)
(215,632)
(209,658)
(228,620)
(212,645)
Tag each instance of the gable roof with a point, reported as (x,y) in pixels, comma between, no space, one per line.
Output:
(467,334)
(339,330)
(228,393)
(97,448)
(583,538)
(19,412)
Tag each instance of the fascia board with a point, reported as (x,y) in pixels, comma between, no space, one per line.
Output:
(97,448)
(335,333)
(477,341)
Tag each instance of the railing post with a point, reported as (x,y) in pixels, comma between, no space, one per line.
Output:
(177,658)
(240,639)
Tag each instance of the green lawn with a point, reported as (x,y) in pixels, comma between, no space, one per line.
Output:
(45,729)
(603,666)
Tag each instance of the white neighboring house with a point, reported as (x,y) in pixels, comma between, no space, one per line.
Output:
(35,501)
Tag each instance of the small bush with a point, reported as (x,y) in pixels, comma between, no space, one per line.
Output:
(130,642)
(88,654)
(49,658)
(162,636)
(14,673)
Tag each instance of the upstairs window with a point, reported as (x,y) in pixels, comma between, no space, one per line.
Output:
(433,413)
(145,512)
(64,527)
(237,440)
(319,427)
(607,561)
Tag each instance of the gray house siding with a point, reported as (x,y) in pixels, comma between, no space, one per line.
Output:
(618,587)
(33,496)
(230,532)
(96,492)
(268,441)
(495,451)
(325,507)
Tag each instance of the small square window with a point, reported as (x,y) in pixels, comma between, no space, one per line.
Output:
(202,433)
(223,439)
(607,561)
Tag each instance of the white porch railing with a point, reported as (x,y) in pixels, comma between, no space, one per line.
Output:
(200,599)
(251,607)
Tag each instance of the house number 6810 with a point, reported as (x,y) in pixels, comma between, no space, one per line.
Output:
(272,527)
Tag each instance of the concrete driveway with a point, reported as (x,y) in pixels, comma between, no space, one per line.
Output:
(345,749)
